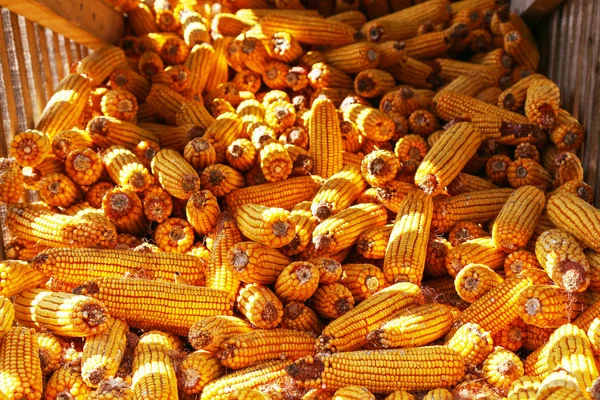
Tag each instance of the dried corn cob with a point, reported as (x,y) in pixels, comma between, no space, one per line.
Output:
(521,50)
(501,368)
(174,137)
(325,138)
(158,204)
(472,342)
(301,318)
(520,261)
(125,169)
(62,313)
(542,103)
(142,20)
(174,173)
(283,46)
(119,104)
(568,167)
(108,131)
(124,209)
(309,30)
(527,150)
(21,249)
(269,226)
(465,183)
(220,179)
(260,306)
(16,276)
(332,300)
(255,263)
(208,333)
(218,276)
(568,133)
(297,282)
(545,306)
(258,346)
(102,353)
(464,231)
(353,58)
(476,251)
(275,161)
(195,32)
(241,154)
(99,65)
(450,106)
(274,75)
(496,168)
(126,79)
(198,369)
(174,235)
(11,181)
(200,153)
(423,122)
(475,280)
(153,370)
(363,280)
(371,122)
(50,352)
(150,64)
(84,166)
(338,192)
(322,369)
(373,82)
(22,375)
(512,336)
(373,242)
(58,190)
(323,75)
(29,148)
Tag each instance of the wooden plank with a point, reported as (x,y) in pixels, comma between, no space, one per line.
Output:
(534,10)
(58,59)
(8,94)
(21,69)
(44,55)
(79,52)
(92,23)
(69,53)
(36,71)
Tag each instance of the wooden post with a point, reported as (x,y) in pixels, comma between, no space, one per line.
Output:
(91,23)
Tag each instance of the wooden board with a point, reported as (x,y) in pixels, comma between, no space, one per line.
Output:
(92,23)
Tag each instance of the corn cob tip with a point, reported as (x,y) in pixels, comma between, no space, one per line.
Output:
(322,242)
(573,275)
(270,312)
(428,184)
(375,338)
(322,210)
(306,369)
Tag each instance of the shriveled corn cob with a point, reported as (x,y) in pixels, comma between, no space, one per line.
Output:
(332,300)
(175,174)
(124,209)
(260,306)
(542,103)
(218,276)
(258,346)
(413,326)
(324,369)
(62,313)
(22,375)
(220,179)
(198,369)
(338,192)
(153,369)
(252,262)
(109,131)
(158,204)
(563,260)
(299,317)
(29,148)
(102,353)
(208,333)
(475,280)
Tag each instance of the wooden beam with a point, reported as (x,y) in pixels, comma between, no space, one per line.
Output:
(533,11)
(92,23)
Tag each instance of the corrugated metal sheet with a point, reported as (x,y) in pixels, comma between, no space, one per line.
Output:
(569,41)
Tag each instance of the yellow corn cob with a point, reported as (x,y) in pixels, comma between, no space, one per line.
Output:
(353,58)
(525,205)
(379,167)
(261,375)
(194,28)
(124,209)
(332,300)
(297,78)
(520,261)
(568,167)
(406,250)
(64,108)
(126,241)
(373,82)
(325,138)
(391,53)
(297,281)
(480,206)
(514,97)
(219,72)
(451,69)
(84,166)
(21,249)
(174,137)
(416,73)
(263,345)
(351,159)
(423,122)
(36,223)
(126,79)
(175,174)
(225,129)
(435,260)
(241,154)
(220,179)
(563,260)
(498,307)
(323,75)
(208,333)
(385,29)
(330,270)
(299,317)
(302,164)
(120,296)
(7,316)
(218,276)
(202,211)
(125,169)
(496,169)
(400,395)
(475,280)
(29,148)
(352,392)
(266,225)
(454,105)
(373,242)
(338,192)
(476,251)
(153,370)
(50,352)
(568,133)
(309,30)
(158,204)
(524,388)
(535,337)
(119,104)
(363,280)
(199,369)
(542,103)
(255,263)
(326,369)
(109,131)
(274,160)
(174,235)
(594,261)
(260,306)
(413,326)
(16,276)
(343,229)
(512,336)
(489,95)
(501,368)
(472,342)
(62,313)
(465,183)
(545,306)
(433,173)
(73,266)
(200,153)
(166,102)
(98,65)
(350,331)
(371,122)
(11,181)
(150,64)
(102,353)
(58,190)
(527,150)
(260,132)
(142,20)
(274,75)
(280,115)
(521,50)
(20,364)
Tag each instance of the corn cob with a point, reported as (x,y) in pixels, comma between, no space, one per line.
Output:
(542,103)
(451,69)
(220,179)
(512,336)
(153,370)
(62,313)
(423,122)
(325,138)
(504,297)
(465,183)
(102,353)
(261,375)
(150,64)
(260,132)
(450,106)
(167,103)
(16,276)
(108,131)
(255,263)
(545,306)
(322,369)
(119,295)
(99,65)
(275,161)
(474,281)
(353,58)
(283,46)
(338,192)
(50,352)
(373,242)
(496,169)
(84,166)
(323,75)
(119,104)
(379,167)
(521,50)
(260,306)
(11,181)
(76,266)
(472,342)
(226,128)
(22,375)
(197,370)
(433,174)
(524,387)
(563,259)
(7,316)
(29,148)
(158,204)
(515,96)
(363,280)
(332,300)
(36,223)
(501,368)
(125,169)
(208,333)
(568,168)
(58,190)
(489,95)
(568,133)
(202,211)
(274,75)
(371,122)
(309,30)
(393,194)
(527,150)
(218,276)
(64,107)
(241,154)
(266,225)
(174,235)
(21,249)
(302,164)
(476,251)
(142,20)
(247,80)
(174,137)
(519,261)
(175,175)
(297,281)
(298,317)
(349,332)
(126,79)
(124,209)
(410,150)
(263,345)
(413,326)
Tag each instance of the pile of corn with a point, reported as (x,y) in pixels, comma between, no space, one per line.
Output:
(239,202)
